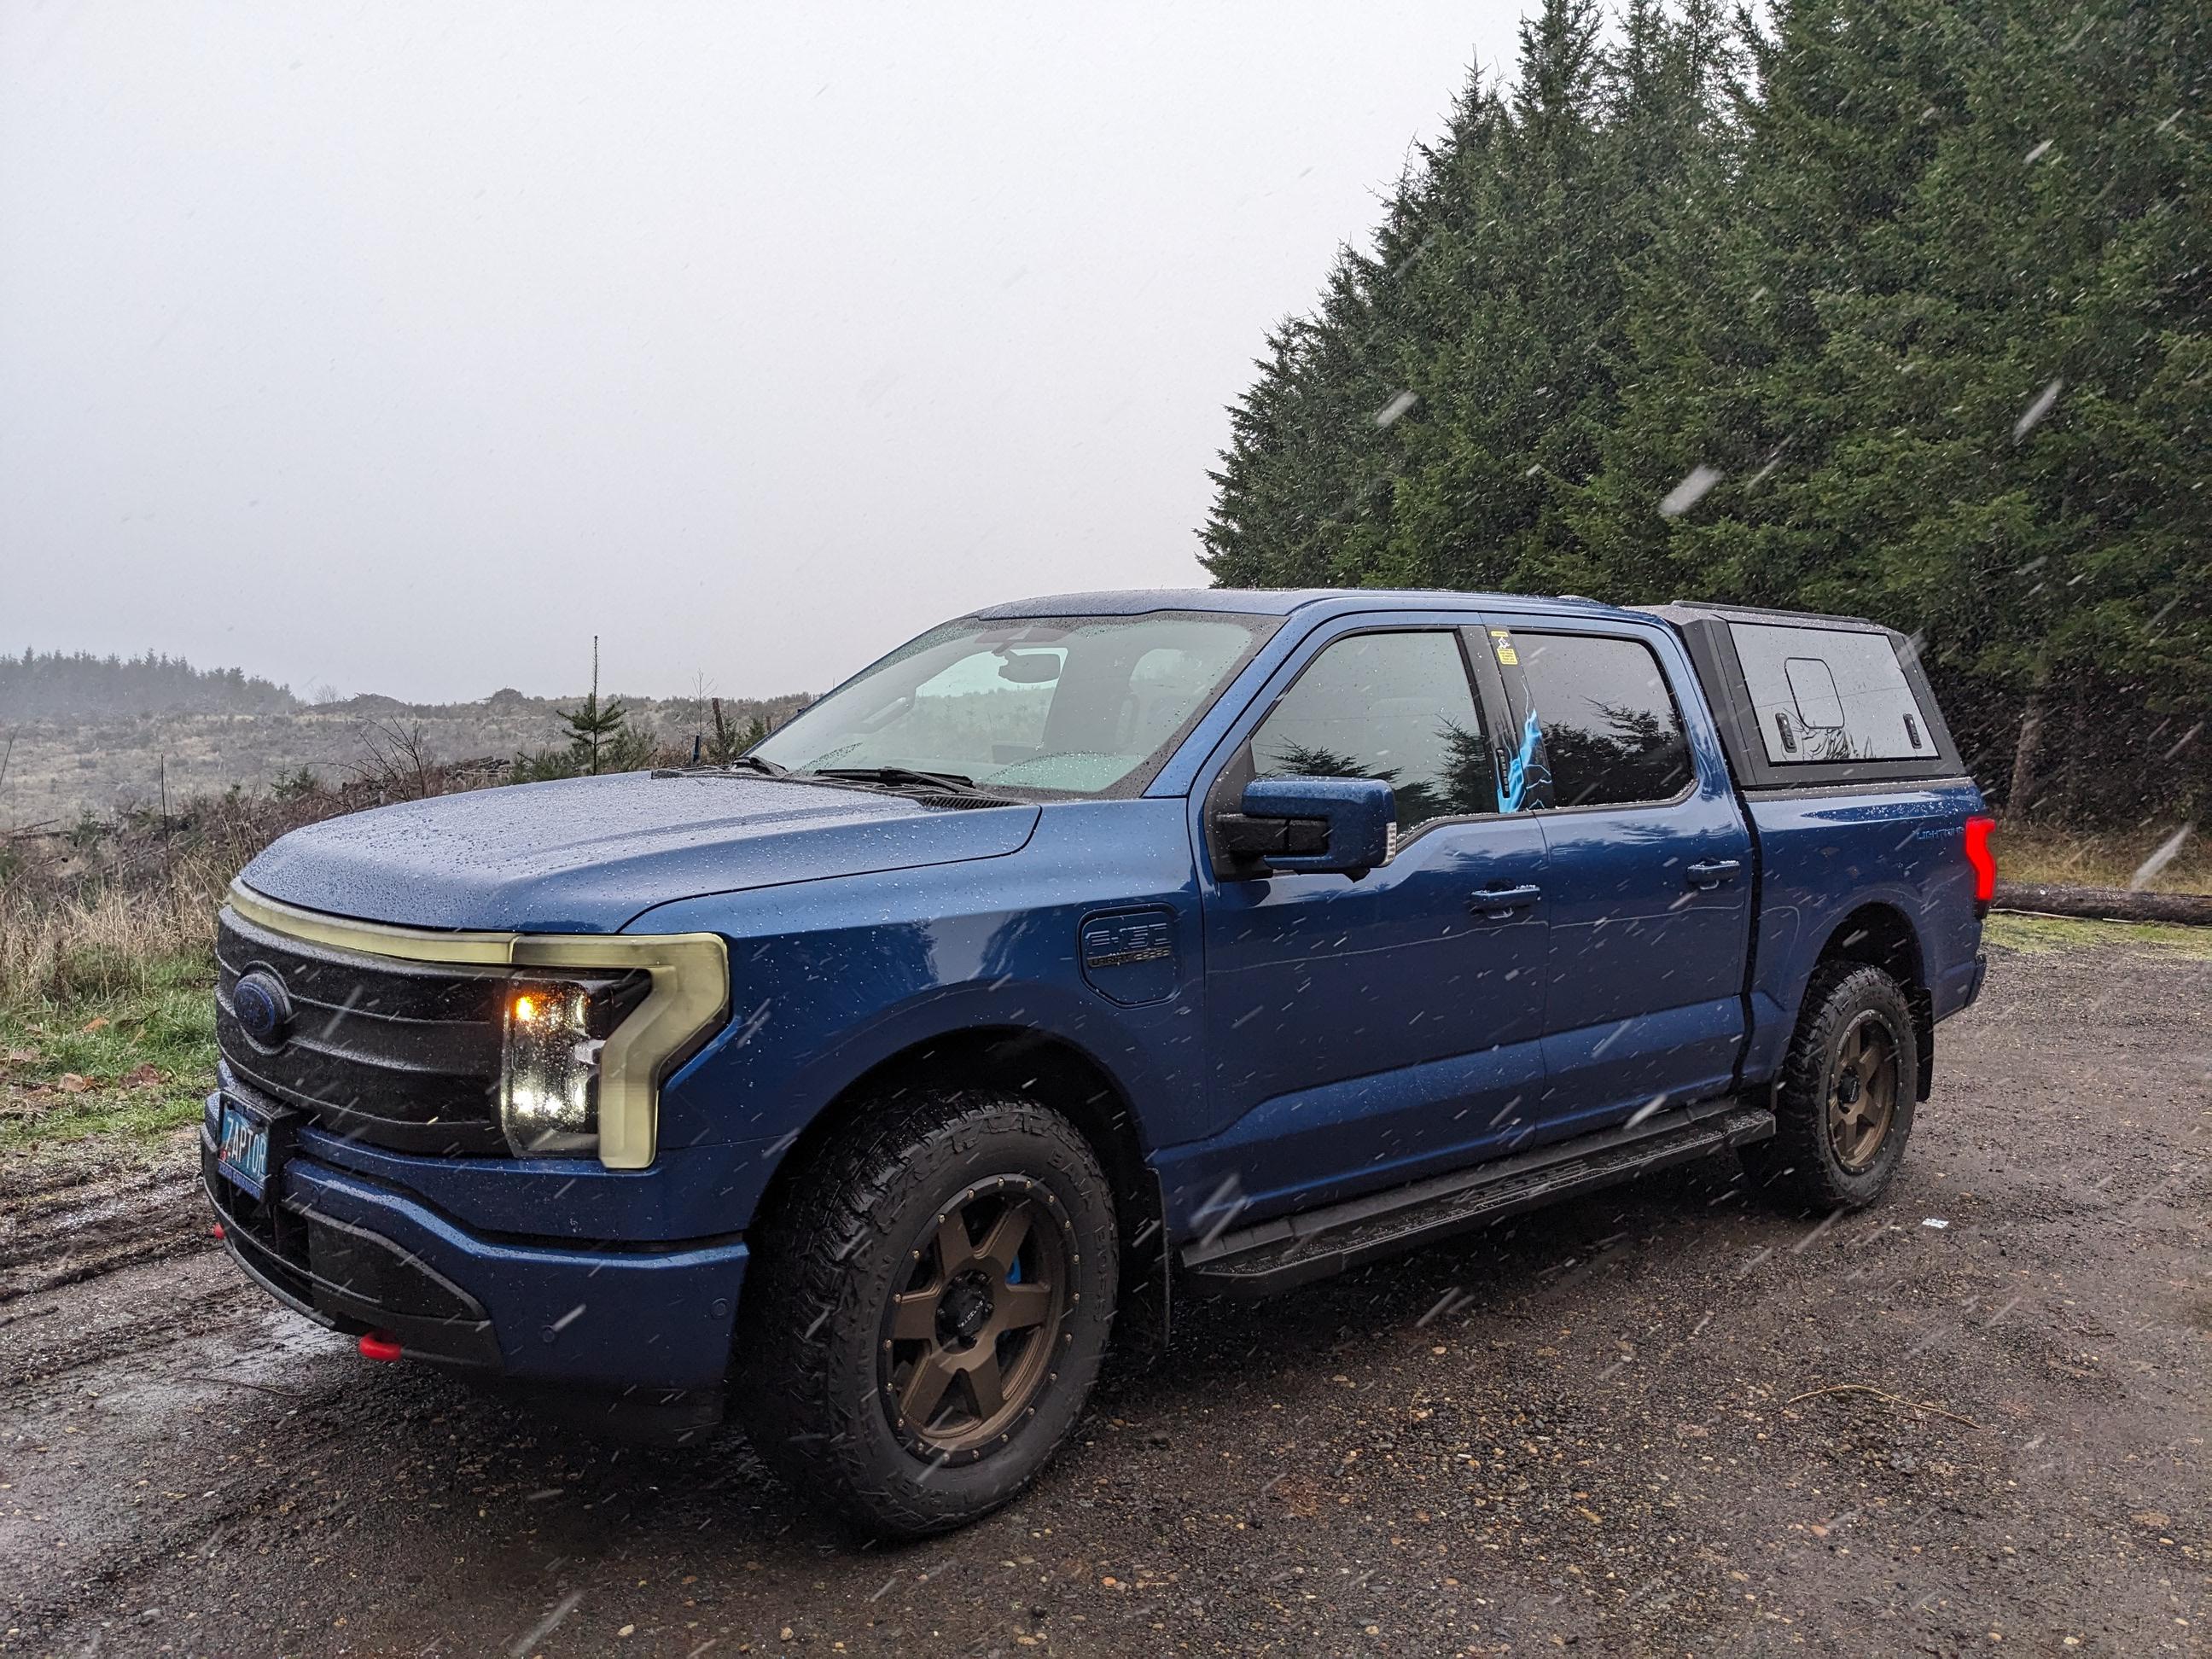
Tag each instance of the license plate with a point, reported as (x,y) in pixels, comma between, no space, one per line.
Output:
(243,1152)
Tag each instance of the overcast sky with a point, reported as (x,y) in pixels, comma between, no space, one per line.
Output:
(403,346)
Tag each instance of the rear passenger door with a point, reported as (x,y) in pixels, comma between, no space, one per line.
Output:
(1647,869)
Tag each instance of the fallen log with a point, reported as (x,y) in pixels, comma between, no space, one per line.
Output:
(2105,904)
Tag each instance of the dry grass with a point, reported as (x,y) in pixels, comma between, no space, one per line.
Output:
(2042,936)
(115,942)
(105,909)
(2071,858)
(106,1013)
(108,968)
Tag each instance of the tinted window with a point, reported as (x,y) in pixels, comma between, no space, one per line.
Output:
(1391,706)
(1830,693)
(1610,732)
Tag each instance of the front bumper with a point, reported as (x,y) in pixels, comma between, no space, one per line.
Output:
(357,1255)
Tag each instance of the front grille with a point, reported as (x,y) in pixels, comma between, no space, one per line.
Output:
(402,1055)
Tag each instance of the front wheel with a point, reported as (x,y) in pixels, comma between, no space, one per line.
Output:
(1842,1110)
(928,1306)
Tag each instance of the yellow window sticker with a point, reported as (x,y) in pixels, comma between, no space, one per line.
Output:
(1504,643)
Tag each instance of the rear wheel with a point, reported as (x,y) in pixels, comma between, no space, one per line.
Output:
(1843,1109)
(927,1309)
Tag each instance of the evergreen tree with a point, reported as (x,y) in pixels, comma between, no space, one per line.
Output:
(1895,307)
(52,685)
(600,737)
(729,738)
(596,731)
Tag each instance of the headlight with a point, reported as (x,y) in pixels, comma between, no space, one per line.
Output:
(552,1033)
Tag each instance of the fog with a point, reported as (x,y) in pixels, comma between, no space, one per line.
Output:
(404,349)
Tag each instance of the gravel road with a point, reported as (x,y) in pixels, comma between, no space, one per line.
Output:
(1661,1420)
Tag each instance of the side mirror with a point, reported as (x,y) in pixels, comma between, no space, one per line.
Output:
(1309,824)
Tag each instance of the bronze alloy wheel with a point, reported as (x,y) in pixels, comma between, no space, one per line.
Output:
(974,1335)
(1843,1103)
(1863,1096)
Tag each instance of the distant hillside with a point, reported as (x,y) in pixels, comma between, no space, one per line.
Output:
(80,686)
(59,767)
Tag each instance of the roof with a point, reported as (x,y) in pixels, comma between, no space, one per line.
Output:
(1262,601)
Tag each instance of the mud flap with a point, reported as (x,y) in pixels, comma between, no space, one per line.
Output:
(1144,1324)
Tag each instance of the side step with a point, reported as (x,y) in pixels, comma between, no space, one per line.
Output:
(1275,1255)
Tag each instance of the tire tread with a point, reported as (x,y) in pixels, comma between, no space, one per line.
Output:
(1794,1167)
(802,1290)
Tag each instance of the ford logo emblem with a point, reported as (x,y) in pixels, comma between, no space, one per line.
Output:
(262,1006)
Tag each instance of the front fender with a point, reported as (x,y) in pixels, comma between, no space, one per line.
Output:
(829,981)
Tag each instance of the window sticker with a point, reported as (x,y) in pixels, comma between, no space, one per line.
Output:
(1502,642)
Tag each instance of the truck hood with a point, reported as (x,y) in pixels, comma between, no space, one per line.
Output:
(587,855)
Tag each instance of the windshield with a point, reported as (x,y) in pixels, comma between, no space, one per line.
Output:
(1085,705)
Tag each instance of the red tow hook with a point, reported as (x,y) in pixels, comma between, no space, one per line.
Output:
(380,1345)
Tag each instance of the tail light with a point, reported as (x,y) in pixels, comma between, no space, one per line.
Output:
(1984,862)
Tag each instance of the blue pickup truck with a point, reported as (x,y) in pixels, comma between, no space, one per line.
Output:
(1085,953)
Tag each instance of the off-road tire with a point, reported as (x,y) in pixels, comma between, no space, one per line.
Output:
(852,1231)
(1801,1167)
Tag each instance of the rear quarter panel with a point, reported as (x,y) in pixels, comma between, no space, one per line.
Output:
(1825,853)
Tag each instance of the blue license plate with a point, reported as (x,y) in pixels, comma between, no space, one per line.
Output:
(243,1152)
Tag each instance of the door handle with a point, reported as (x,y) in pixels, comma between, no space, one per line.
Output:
(1711,872)
(1504,901)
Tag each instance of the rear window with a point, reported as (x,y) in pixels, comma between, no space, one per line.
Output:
(1825,694)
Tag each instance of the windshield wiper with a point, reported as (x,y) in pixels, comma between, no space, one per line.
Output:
(900,777)
(707,769)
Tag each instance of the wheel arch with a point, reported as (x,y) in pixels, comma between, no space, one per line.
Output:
(1882,935)
(1043,1065)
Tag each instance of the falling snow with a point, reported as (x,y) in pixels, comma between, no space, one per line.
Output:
(1397,407)
(2032,414)
(2166,851)
(1690,491)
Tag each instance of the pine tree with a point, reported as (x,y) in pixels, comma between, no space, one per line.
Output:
(600,738)
(594,729)
(730,739)
(1895,307)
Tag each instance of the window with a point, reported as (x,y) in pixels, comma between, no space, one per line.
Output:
(1085,705)
(1396,707)
(1813,684)
(1830,693)
(1612,734)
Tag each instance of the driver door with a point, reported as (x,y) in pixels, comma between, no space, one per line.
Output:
(1365,1032)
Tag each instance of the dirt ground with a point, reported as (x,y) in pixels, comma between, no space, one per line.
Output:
(1661,1420)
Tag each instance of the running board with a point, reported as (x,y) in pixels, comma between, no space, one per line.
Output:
(1275,1255)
